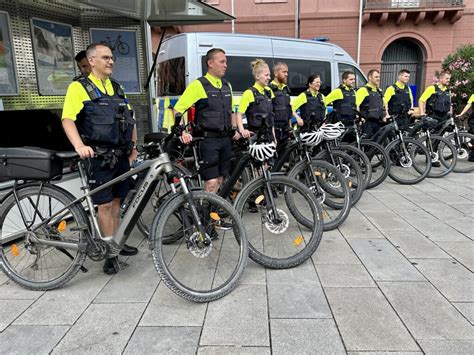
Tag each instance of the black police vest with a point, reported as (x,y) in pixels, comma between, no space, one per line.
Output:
(439,103)
(261,108)
(281,105)
(214,113)
(400,102)
(372,106)
(314,106)
(344,108)
(105,121)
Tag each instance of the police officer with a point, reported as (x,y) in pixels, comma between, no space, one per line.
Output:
(369,102)
(257,101)
(436,99)
(399,99)
(470,122)
(281,102)
(343,99)
(212,97)
(310,103)
(82,64)
(97,118)
(471,117)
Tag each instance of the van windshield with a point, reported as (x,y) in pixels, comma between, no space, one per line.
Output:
(239,73)
(171,77)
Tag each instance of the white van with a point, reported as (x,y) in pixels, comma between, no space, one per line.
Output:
(181,60)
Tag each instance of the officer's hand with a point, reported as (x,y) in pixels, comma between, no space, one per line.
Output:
(410,111)
(85,152)
(245,133)
(300,122)
(236,136)
(186,138)
(133,156)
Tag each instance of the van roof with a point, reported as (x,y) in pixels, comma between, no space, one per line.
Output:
(227,34)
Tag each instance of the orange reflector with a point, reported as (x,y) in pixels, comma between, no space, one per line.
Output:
(298,241)
(317,173)
(215,216)
(259,199)
(324,215)
(233,195)
(350,183)
(15,250)
(62,226)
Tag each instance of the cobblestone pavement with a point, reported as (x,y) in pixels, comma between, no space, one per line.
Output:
(396,277)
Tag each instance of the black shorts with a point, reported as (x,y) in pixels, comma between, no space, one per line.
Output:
(99,175)
(215,154)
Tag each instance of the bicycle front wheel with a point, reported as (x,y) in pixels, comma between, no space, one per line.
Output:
(286,227)
(464,147)
(199,268)
(24,256)
(410,161)
(379,161)
(329,187)
(443,155)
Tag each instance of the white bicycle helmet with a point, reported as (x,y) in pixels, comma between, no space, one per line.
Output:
(262,151)
(332,130)
(312,138)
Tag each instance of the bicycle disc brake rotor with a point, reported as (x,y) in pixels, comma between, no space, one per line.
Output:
(277,227)
(462,153)
(345,170)
(199,248)
(333,182)
(320,195)
(406,162)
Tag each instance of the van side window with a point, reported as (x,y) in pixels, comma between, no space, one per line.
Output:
(171,77)
(360,79)
(239,72)
(299,70)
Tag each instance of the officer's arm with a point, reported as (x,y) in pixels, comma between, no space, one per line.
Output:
(243,105)
(299,101)
(423,99)
(388,95)
(73,135)
(361,94)
(334,95)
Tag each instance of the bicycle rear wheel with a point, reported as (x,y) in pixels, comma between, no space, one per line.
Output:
(199,268)
(23,256)
(410,165)
(329,187)
(287,227)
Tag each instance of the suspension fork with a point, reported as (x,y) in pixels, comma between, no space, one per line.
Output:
(188,196)
(269,195)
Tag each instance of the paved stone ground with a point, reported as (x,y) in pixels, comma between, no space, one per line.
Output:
(396,277)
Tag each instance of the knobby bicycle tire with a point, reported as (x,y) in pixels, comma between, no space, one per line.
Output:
(177,262)
(29,263)
(282,243)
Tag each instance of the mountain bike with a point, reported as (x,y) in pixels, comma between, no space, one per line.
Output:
(46,233)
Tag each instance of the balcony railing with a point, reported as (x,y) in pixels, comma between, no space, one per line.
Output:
(410,4)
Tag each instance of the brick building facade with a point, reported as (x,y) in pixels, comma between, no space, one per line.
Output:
(416,34)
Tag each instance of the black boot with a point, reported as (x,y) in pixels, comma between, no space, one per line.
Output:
(127,250)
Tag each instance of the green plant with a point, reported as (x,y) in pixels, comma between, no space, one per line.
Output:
(461,66)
